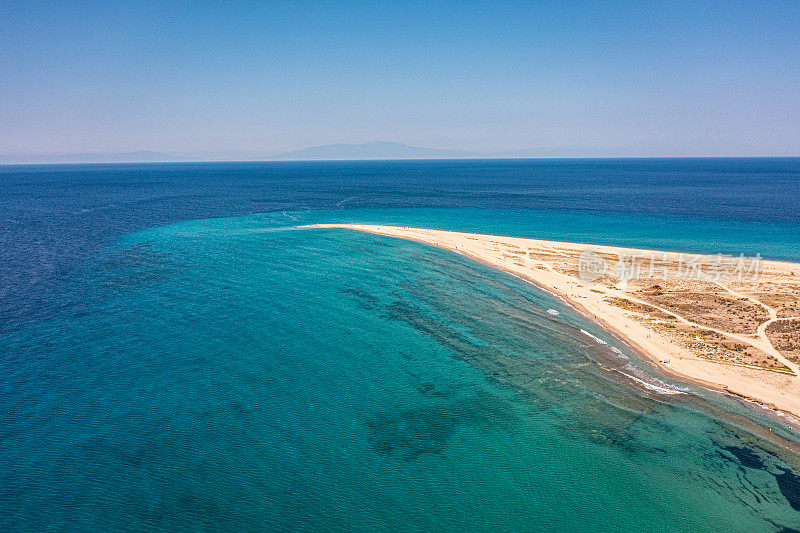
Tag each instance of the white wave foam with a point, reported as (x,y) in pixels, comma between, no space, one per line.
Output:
(662,389)
(618,352)
(598,340)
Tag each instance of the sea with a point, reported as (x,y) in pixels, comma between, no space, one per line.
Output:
(178,352)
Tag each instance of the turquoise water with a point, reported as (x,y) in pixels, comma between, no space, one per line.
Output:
(238,374)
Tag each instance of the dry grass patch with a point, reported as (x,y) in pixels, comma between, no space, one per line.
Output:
(714,309)
(785,336)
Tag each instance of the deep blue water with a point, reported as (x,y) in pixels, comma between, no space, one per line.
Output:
(57,218)
(230,373)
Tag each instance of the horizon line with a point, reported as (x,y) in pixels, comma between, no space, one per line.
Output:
(482,158)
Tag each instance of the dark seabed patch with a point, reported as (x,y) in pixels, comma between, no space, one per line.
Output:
(788,481)
(789,484)
(364,299)
(745,456)
(410,433)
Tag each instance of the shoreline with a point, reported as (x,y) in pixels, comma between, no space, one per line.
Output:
(781,414)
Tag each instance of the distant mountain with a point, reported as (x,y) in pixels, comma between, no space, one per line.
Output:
(143,156)
(372,150)
(339,151)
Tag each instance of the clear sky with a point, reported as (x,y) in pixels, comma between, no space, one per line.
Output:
(227,78)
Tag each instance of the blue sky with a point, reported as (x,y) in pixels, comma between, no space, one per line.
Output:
(228,78)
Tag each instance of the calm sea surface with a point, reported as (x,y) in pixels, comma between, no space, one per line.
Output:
(175,355)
